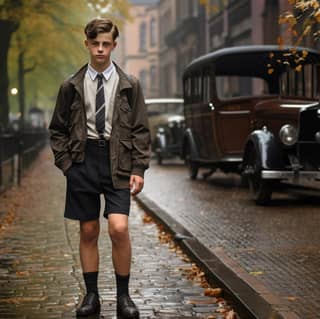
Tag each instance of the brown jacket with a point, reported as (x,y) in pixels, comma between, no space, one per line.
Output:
(130,136)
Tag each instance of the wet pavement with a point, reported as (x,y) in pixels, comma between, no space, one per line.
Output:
(40,275)
(279,245)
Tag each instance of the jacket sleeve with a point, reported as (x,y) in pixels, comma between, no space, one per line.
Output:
(58,128)
(141,141)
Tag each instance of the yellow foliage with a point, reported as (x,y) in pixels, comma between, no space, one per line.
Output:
(213,8)
(304,53)
(270,71)
(51,37)
(306,13)
(317,15)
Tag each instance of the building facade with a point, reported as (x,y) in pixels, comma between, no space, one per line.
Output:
(166,35)
(245,22)
(189,28)
(138,45)
(181,40)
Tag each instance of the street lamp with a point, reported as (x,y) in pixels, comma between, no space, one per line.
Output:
(14,91)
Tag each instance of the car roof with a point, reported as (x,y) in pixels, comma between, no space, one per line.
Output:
(163,100)
(251,60)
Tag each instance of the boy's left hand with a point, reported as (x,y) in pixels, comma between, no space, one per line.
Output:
(136,184)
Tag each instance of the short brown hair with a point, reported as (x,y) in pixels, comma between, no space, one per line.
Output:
(96,26)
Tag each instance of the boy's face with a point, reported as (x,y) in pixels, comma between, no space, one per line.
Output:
(100,48)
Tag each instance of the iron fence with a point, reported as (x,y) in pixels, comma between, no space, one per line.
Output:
(17,152)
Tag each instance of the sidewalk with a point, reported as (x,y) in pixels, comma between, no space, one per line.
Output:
(40,274)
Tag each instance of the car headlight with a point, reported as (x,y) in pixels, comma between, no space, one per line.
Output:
(288,134)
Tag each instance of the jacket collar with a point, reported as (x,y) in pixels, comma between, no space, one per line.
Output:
(124,82)
(77,79)
(107,73)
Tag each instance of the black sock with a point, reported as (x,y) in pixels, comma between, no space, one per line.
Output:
(122,285)
(91,281)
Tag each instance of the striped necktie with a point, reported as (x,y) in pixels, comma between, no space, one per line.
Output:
(100,106)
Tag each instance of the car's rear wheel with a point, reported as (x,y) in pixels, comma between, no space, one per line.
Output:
(260,189)
(193,167)
(159,158)
(158,151)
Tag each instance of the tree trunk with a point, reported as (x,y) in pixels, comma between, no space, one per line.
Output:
(21,88)
(8,25)
(7,28)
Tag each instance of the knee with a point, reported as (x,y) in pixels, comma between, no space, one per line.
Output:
(118,233)
(89,232)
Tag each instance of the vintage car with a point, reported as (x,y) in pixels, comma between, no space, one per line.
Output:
(254,110)
(166,123)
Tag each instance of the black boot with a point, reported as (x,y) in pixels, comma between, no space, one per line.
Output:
(126,309)
(89,306)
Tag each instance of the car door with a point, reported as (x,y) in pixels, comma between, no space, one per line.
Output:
(202,114)
(233,124)
(210,151)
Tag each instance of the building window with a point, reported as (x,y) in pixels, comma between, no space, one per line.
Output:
(143,79)
(143,36)
(194,9)
(153,77)
(153,35)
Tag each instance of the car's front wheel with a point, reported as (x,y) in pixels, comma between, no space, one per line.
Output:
(260,189)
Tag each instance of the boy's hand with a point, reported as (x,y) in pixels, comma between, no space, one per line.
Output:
(136,184)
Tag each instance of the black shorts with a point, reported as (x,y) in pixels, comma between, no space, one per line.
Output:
(87,180)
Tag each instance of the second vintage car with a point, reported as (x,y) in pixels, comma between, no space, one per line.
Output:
(166,121)
(254,110)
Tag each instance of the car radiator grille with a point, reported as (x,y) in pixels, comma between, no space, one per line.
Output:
(308,147)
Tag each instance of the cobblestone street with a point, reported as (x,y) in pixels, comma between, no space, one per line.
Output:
(276,244)
(40,274)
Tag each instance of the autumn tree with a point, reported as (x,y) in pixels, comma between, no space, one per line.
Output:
(302,20)
(9,23)
(46,42)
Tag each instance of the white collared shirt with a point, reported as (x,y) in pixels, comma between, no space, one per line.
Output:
(110,84)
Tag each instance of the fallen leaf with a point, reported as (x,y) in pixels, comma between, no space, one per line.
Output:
(232,315)
(221,310)
(147,219)
(22,273)
(256,273)
(208,301)
(213,292)
(291,298)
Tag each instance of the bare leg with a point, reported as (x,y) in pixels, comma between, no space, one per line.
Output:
(89,254)
(121,246)
(121,257)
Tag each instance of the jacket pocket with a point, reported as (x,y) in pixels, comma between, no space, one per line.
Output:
(76,149)
(125,115)
(125,161)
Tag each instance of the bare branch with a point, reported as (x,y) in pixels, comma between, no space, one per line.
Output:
(30,69)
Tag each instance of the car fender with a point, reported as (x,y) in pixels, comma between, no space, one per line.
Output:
(268,148)
(188,139)
(161,141)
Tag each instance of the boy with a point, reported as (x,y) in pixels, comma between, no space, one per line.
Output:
(100,139)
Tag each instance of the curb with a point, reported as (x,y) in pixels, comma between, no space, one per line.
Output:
(250,297)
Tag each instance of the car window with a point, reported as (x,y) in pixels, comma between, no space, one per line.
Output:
(155,109)
(301,82)
(196,88)
(206,88)
(238,86)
